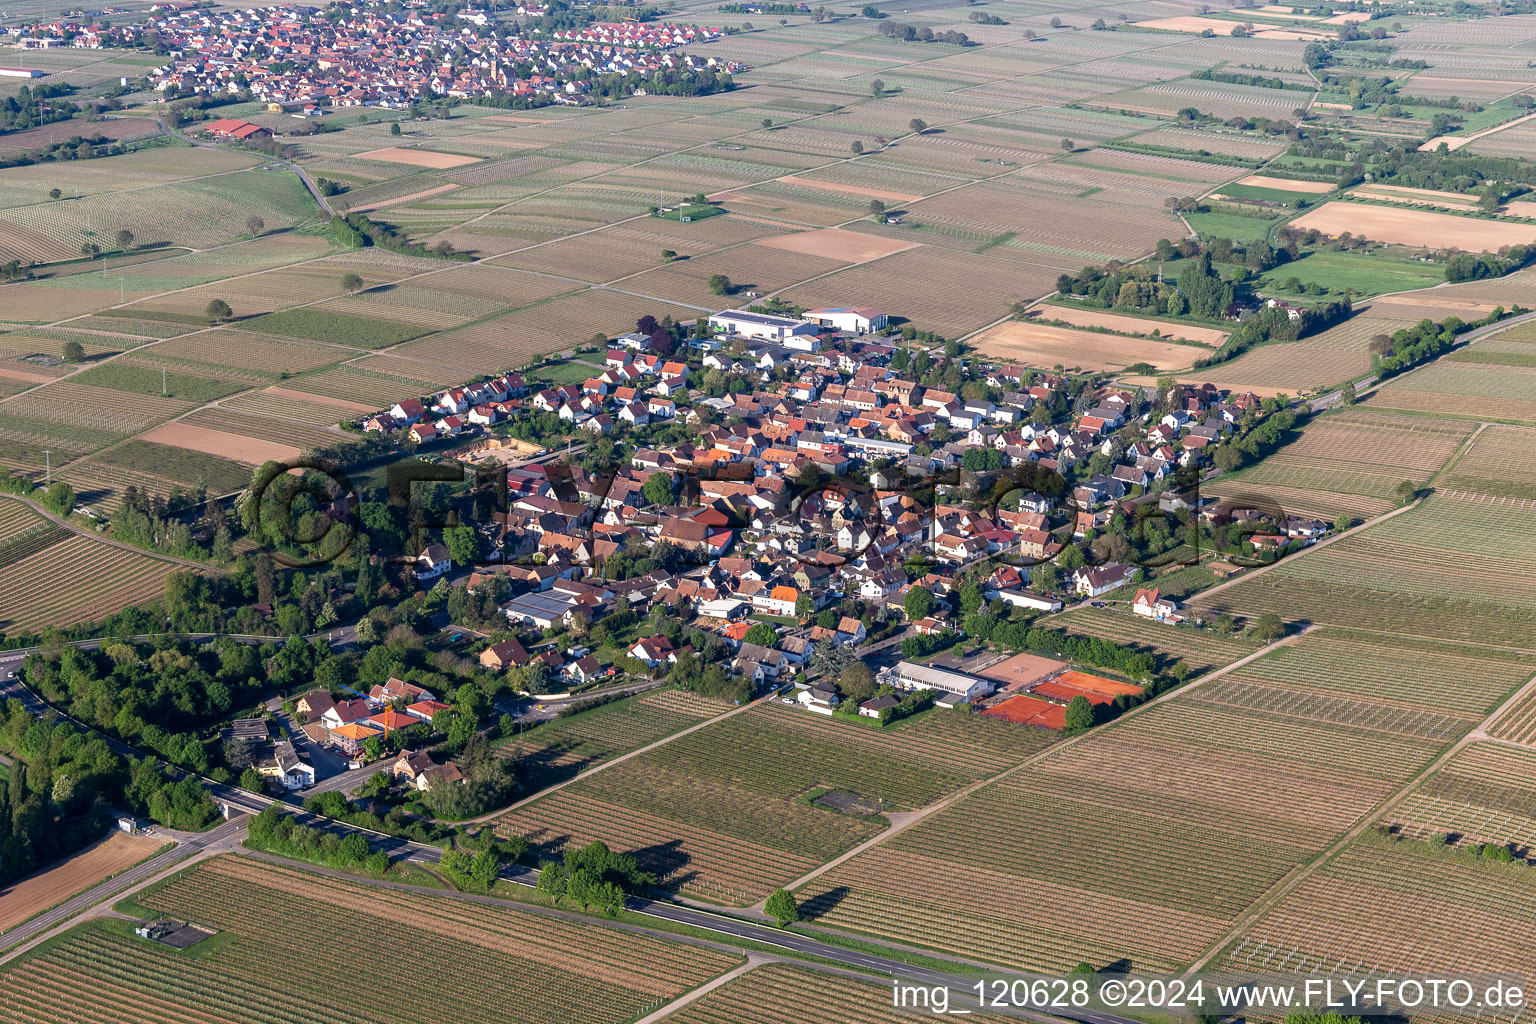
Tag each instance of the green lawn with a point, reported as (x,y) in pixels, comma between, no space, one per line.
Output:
(147,380)
(1272,195)
(337,328)
(693,211)
(1229,225)
(567,371)
(1368,275)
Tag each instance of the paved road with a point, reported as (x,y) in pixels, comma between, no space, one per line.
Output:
(99,539)
(226,834)
(733,927)
(1333,398)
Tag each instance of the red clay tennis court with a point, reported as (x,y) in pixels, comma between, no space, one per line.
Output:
(1029,711)
(1063,692)
(1096,684)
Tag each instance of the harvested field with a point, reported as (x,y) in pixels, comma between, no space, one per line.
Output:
(1287,184)
(1420,228)
(36,893)
(849,246)
(1046,346)
(248,450)
(1200,649)
(418,158)
(565,747)
(1083,316)
(525,967)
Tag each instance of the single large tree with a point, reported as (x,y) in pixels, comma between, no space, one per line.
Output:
(658,488)
(763,635)
(781,906)
(218,310)
(1268,627)
(918,603)
(1079,714)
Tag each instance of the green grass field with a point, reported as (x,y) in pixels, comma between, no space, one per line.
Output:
(146,380)
(337,328)
(1273,195)
(1228,225)
(1367,275)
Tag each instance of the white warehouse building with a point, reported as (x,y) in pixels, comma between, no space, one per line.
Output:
(850,319)
(761,325)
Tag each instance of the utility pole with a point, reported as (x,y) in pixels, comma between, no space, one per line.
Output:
(163,392)
(48,464)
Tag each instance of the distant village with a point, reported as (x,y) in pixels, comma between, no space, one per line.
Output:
(390,56)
